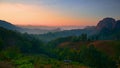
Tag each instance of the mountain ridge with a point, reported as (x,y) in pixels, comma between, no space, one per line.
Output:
(9,26)
(108,24)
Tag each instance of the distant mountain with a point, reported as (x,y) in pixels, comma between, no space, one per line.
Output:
(108,28)
(75,32)
(9,26)
(108,25)
(39,30)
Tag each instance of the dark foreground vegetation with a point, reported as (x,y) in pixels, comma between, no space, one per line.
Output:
(99,50)
(24,51)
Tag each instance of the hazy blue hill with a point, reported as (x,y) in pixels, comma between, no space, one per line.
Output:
(38,30)
(9,26)
(106,29)
(21,29)
(23,50)
(75,32)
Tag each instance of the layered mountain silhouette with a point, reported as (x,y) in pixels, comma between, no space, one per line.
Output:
(106,25)
(16,47)
(9,26)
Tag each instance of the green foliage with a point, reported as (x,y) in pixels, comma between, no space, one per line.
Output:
(23,62)
(26,43)
(84,37)
(10,53)
(93,58)
(26,66)
(25,51)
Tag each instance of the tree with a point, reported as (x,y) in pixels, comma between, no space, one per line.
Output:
(84,37)
(1,43)
(90,56)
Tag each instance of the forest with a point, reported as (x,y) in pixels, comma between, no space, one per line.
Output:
(21,50)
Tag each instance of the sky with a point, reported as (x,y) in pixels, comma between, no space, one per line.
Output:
(58,12)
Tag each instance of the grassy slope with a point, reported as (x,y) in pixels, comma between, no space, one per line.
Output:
(38,61)
(109,47)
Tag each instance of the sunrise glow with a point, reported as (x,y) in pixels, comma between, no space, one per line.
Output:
(53,14)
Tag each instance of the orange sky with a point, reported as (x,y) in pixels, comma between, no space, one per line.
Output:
(24,14)
(58,12)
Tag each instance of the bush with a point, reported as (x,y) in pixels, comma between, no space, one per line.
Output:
(93,58)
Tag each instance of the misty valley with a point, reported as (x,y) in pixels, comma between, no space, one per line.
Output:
(59,33)
(90,47)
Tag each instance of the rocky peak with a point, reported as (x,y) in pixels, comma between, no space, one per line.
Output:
(117,25)
(106,23)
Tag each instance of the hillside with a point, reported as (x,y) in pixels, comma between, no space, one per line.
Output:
(29,30)
(66,33)
(89,52)
(71,47)
(9,26)
(24,51)
(109,47)
(106,29)
(108,24)
(24,42)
